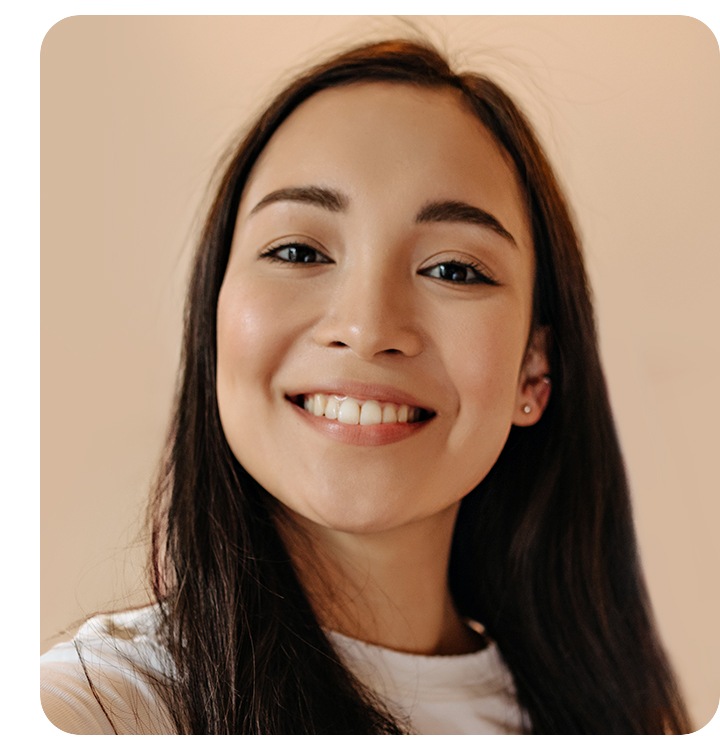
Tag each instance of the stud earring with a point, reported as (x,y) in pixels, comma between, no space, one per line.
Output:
(527,409)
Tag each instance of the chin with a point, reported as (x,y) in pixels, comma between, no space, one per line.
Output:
(360,516)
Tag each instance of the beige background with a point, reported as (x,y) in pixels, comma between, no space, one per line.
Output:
(137,110)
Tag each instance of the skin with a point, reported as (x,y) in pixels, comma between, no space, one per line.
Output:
(376,314)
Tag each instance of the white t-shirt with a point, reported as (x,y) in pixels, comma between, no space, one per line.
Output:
(465,694)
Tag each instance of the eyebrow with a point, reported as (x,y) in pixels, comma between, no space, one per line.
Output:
(457,211)
(433,211)
(331,200)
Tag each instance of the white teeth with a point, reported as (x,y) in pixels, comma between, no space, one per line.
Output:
(333,407)
(319,402)
(371,413)
(389,414)
(351,411)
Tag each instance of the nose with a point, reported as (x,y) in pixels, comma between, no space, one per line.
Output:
(371,314)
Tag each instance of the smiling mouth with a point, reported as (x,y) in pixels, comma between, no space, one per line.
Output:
(351,411)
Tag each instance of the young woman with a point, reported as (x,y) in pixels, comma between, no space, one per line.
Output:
(393,498)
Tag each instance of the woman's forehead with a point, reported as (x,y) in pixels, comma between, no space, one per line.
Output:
(394,139)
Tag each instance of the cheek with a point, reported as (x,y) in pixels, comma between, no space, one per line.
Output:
(483,360)
(246,300)
(253,334)
(242,329)
(251,341)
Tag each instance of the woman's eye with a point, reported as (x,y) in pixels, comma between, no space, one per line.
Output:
(458,273)
(295,253)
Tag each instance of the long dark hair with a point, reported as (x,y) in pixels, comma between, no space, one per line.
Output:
(544,551)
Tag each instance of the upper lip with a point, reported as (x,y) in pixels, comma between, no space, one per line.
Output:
(362,391)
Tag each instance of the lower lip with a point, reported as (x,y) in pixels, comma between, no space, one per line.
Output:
(364,435)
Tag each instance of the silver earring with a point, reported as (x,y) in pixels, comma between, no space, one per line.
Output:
(527,409)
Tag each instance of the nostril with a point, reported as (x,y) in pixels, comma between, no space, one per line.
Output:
(338,344)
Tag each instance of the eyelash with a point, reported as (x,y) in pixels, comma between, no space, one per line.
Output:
(481,275)
(272,254)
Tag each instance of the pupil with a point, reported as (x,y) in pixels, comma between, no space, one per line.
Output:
(299,255)
(453,272)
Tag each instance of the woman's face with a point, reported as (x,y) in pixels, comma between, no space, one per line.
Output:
(375,312)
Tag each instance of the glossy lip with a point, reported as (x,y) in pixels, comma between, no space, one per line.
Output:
(355,434)
(362,435)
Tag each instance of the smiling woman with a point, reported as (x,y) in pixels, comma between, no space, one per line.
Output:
(393,498)
(361,287)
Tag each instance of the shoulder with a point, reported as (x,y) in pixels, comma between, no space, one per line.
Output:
(103,680)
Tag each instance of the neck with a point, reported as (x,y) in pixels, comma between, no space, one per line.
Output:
(389,588)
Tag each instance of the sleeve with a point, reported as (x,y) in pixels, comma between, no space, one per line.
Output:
(104,693)
(68,700)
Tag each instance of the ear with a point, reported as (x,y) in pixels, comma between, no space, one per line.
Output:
(534,384)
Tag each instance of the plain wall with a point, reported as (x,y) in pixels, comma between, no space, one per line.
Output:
(136,112)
